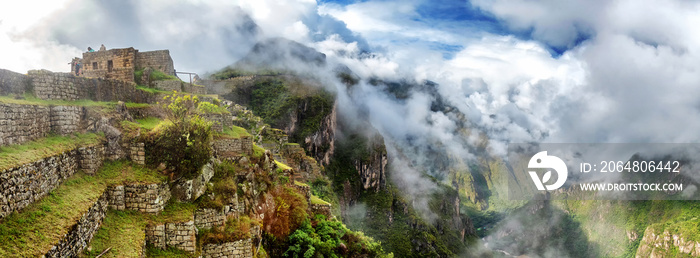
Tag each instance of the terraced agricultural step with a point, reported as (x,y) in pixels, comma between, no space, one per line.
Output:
(64,222)
(123,232)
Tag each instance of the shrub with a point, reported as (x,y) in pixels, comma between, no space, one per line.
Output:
(183,144)
(289,213)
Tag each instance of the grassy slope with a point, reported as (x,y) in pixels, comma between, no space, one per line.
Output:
(13,155)
(124,230)
(40,225)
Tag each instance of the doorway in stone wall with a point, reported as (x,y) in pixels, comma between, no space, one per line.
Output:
(110,65)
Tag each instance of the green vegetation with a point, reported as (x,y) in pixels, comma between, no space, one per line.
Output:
(274,100)
(235,229)
(157,75)
(122,231)
(149,122)
(328,238)
(136,105)
(39,226)
(14,155)
(315,200)
(234,132)
(209,108)
(283,166)
(29,99)
(183,143)
(171,252)
(258,151)
(151,90)
(228,73)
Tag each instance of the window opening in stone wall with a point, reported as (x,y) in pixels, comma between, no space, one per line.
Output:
(110,65)
(94,65)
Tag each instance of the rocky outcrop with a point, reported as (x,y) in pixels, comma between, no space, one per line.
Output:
(321,144)
(660,244)
(373,170)
(187,190)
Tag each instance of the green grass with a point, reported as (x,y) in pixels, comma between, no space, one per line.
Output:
(29,99)
(123,231)
(149,122)
(157,75)
(40,225)
(315,200)
(258,151)
(14,155)
(300,184)
(234,132)
(136,105)
(169,253)
(174,212)
(151,90)
(282,165)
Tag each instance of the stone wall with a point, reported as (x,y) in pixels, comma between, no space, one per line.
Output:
(180,235)
(73,243)
(194,89)
(226,147)
(22,123)
(208,218)
(91,158)
(221,121)
(240,248)
(137,153)
(21,186)
(324,209)
(168,85)
(12,83)
(65,86)
(159,60)
(65,119)
(146,198)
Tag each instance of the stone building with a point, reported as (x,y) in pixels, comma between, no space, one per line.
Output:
(121,63)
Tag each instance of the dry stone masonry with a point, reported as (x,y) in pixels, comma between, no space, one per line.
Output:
(225,147)
(240,248)
(180,235)
(145,198)
(208,218)
(12,82)
(73,243)
(65,86)
(25,184)
(22,123)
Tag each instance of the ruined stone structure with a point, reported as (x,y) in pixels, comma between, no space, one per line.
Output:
(220,121)
(145,198)
(208,218)
(226,147)
(180,235)
(240,248)
(121,63)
